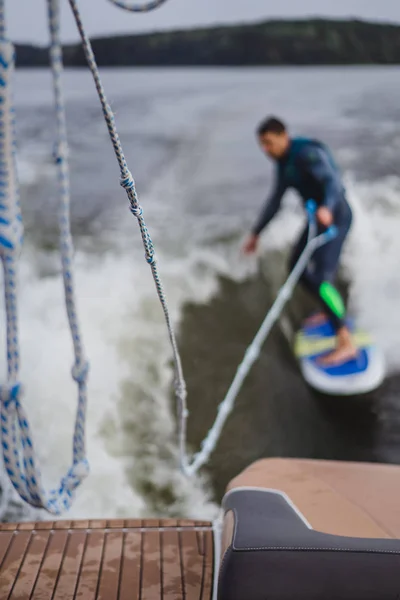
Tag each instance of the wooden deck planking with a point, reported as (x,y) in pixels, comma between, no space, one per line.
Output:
(106,560)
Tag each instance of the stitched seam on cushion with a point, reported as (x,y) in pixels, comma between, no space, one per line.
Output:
(301,549)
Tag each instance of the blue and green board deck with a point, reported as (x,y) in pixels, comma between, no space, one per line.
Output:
(357,376)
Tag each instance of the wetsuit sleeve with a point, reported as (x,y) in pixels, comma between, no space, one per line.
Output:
(317,162)
(271,206)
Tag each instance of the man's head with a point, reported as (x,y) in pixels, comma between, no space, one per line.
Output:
(273,137)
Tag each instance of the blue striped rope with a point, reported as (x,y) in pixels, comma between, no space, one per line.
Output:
(134,7)
(80,368)
(11,233)
(18,450)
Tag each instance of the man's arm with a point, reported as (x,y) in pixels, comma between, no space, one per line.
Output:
(317,162)
(271,206)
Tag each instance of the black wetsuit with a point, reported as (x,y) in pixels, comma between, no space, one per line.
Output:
(309,168)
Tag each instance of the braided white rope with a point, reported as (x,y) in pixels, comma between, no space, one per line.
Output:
(253,351)
(17,445)
(128,183)
(10,245)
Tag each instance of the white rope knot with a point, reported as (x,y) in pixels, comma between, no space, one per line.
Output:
(80,371)
(10,394)
(77,473)
(127,182)
(151,259)
(136,210)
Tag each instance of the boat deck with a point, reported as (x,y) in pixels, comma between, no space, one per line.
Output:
(174,559)
(106,560)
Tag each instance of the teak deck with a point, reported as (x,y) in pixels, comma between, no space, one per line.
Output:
(174,560)
(106,560)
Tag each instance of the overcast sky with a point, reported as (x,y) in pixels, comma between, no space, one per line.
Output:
(27,18)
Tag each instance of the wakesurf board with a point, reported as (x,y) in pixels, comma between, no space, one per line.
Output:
(361,375)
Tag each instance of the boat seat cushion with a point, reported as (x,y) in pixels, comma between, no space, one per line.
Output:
(270,552)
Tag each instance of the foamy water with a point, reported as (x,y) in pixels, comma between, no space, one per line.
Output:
(189,137)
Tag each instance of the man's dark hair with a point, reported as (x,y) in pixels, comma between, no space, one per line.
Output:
(271,125)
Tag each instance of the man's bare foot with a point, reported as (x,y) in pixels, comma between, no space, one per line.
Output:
(345,350)
(316,319)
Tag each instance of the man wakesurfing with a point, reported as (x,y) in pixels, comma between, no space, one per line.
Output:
(308,166)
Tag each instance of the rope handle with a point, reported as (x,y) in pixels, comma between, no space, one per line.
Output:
(311,208)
